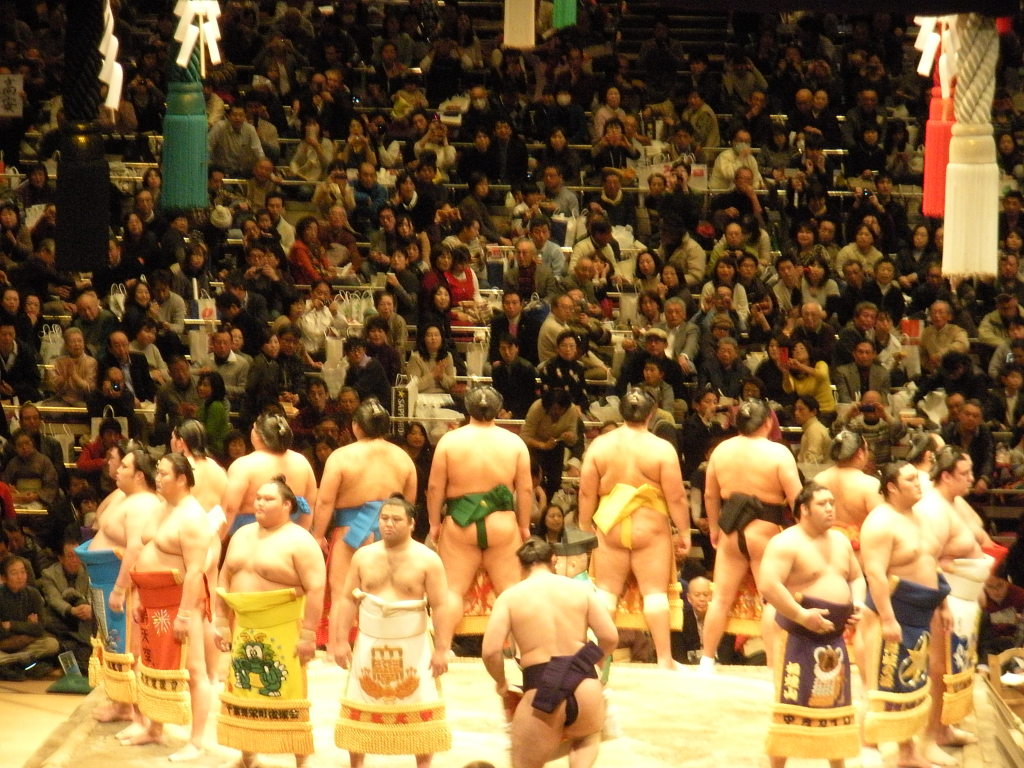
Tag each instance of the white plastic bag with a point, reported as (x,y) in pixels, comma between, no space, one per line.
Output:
(116,299)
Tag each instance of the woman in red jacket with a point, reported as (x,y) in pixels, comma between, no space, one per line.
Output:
(308,259)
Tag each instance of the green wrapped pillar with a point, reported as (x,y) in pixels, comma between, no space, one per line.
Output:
(565,13)
(184,158)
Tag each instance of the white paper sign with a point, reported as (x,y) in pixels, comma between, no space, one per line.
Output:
(11,87)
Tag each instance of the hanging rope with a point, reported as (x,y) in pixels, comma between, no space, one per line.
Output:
(978,53)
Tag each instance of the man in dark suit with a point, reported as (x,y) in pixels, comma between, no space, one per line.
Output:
(133,365)
(511,158)
(515,378)
(365,374)
(517,324)
(229,310)
(972,437)
(864,374)
(1004,408)
(686,644)
(252,302)
(19,375)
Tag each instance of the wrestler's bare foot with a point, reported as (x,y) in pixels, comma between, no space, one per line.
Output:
(911,757)
(145,736)
(671,665)
(131,731)
(707,665)
(245,760)
(112,712)
(933,754)
(870,757)
(189,752)
(951,736)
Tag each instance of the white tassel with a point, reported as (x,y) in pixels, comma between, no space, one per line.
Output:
(520,25)
(972,177)
(971,243)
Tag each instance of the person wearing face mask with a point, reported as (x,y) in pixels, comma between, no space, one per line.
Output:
(569,115)
(482,113)
(738,155)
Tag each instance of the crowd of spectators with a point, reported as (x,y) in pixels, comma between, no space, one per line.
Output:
(749,227)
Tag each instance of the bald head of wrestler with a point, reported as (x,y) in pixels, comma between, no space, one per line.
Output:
(483,403)
(372,419)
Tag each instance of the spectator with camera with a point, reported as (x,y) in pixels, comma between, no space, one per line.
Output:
(65,588)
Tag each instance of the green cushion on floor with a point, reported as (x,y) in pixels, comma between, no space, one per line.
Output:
(71,684)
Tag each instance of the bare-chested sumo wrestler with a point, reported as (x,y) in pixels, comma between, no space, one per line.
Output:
(631,491)
(481,480)
(751,483)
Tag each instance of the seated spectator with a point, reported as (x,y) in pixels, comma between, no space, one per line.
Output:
(812,329)
(815,441)
(941,336)
(144,344)
(29,322)
(176,400)
(955,375)
(312,159)
(19,373)
(73,378)
(654,383)
(65,589)
(379,347)
(516,323)
(170,311)
(803,375)
(528,275)
(118,269)
(724,273)
(971,436)
(655,345)
(252,334)
(308,258)
(316,406)
(321,316)
(93,458)
(514,377)
(740,201)
(475,205)
(611,155)
(600,241)
(994,327)
(264,380)
(1004,409)
(881,430)
(863,374)
(133,366)
(24,643)
(232,368)
(431,365)
(724,372)
(552,425)
(95,322)
(113,394)
(33,481)
(613,203)
(192,276)
(1002,615)
(565,371)
(213,410)
(367,375)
